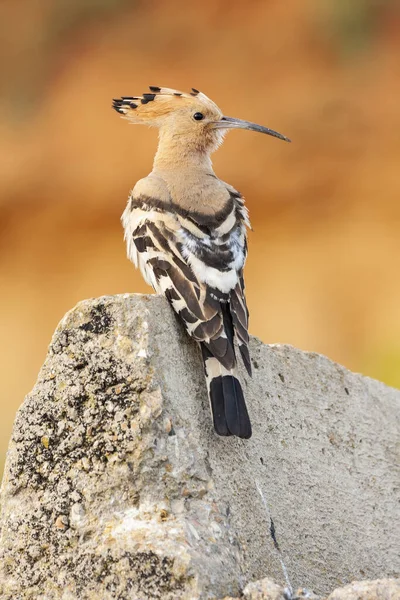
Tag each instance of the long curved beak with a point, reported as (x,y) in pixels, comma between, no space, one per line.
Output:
(231,123)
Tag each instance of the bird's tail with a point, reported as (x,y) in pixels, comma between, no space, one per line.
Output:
(226,398)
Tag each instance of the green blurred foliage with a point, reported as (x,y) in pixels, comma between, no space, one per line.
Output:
(354,24)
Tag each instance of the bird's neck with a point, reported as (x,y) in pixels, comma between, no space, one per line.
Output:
(180,152)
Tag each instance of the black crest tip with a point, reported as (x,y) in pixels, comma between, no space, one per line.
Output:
(194,92)
(124,102)
(154,88)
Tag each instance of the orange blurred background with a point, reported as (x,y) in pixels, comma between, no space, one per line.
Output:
(323,267)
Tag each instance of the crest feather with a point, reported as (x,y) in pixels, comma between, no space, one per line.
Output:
(158,103)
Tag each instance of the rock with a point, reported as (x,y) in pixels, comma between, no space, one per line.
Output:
(264,589)
(380,589)
(115,485)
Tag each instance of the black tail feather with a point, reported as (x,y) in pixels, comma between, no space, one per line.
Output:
(226,398)
(236,414)
(216,393)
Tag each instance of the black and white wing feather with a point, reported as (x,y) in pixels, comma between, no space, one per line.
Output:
(198,268)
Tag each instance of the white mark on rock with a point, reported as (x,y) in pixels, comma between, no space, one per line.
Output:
(193,531)
(176,446)
(289,591)
(130,521)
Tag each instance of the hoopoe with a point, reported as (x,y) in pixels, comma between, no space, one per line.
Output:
(186,231)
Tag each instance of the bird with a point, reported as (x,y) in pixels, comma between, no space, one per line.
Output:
(186,230)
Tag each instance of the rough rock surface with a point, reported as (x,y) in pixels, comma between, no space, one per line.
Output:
(264,589)
(380,589)
(116,487)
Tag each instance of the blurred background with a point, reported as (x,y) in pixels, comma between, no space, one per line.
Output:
(323,267)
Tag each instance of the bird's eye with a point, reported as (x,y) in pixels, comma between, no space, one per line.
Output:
(198,116)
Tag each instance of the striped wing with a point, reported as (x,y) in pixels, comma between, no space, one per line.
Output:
(240,321)
(161,260)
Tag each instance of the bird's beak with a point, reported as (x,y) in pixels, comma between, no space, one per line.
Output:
(231,123)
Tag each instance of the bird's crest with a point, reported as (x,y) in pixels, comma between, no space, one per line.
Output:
(160,102)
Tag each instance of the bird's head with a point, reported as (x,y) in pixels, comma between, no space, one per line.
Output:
(187,118)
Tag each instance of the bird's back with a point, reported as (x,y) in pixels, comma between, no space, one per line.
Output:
(187,234)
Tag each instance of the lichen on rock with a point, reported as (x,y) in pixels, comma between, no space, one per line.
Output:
(91,486)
